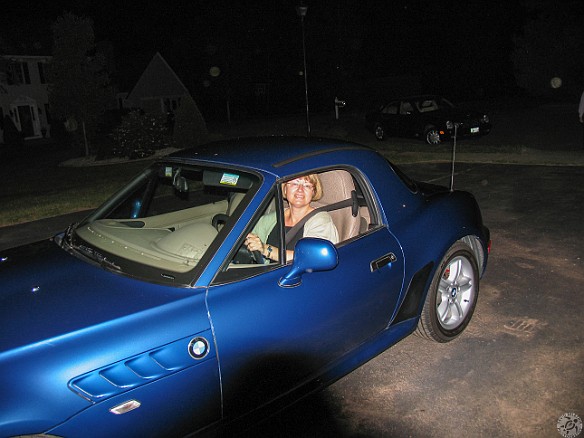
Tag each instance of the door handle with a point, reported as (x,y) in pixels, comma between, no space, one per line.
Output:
(382,261)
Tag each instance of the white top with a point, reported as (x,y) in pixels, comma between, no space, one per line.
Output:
(320,225)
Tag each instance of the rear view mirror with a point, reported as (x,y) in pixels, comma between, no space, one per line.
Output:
(179,182)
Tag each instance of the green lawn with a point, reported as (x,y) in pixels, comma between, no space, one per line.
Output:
(35,186)
(36,190)
(28,193)
(32,191)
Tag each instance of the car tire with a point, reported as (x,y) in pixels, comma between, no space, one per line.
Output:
(379,131)
(452,296)
(432,136)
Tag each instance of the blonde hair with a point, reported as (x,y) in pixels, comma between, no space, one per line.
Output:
(317,186)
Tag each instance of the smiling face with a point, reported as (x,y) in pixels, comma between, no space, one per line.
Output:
(299,192)
(302,190)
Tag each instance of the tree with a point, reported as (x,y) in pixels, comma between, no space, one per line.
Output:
(79,81)
(550,46)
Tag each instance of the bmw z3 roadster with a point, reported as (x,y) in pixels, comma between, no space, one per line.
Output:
(196,297)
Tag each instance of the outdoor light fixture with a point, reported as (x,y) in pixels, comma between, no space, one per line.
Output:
(301,11)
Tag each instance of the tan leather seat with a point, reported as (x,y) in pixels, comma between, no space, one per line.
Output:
(219,220)
(234,202)
(337,186)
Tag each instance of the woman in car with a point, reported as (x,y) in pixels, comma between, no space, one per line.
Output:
(299,193)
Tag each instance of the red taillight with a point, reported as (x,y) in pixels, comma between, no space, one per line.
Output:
(489,247)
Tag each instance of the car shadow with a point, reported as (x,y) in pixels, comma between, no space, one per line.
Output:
(315,414)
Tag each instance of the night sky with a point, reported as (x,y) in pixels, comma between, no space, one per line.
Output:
(449,45)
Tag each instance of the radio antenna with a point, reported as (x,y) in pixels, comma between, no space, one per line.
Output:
(453,157)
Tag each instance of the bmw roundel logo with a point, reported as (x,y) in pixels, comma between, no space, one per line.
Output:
(198,348)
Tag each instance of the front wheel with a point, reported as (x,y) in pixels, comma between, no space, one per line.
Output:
(432,136)
(452,296)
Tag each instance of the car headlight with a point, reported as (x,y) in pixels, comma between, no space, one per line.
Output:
(485,118)
(449,125)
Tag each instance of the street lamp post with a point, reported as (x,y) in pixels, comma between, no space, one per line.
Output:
(301,11)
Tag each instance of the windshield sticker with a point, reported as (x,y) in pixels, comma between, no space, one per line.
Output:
(168,171)
(229,179)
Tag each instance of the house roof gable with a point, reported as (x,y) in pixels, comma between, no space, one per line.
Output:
(157,80)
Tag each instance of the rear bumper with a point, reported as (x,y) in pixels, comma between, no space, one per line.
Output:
(466,131)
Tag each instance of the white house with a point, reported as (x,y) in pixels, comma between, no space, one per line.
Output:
(23,95)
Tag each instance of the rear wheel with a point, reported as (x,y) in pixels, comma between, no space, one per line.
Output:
(432,136)
(452,296)
(379,131)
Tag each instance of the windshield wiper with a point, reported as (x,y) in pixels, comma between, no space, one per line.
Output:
(108,264)
(98,257)
(65,240)
(66,237)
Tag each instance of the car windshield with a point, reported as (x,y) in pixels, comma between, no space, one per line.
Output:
(162,225)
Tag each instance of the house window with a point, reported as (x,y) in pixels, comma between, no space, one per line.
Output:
(18,73)
(48,114)
(25,72)
(171,104)
(41,67)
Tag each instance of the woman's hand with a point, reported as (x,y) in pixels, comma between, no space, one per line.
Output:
(254,243)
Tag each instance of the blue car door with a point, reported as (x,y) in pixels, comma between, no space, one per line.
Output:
(271,339)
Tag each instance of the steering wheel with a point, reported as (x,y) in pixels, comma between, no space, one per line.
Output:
(257,257)
(245,256)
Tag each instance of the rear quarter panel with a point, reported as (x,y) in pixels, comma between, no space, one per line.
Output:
(425,222)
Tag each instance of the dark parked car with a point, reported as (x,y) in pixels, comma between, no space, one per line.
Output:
(151,318)
(431,118)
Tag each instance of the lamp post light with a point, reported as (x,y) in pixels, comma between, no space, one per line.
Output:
(301,11)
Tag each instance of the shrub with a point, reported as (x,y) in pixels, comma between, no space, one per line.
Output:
(139,135)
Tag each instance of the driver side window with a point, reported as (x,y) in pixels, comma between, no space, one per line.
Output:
(406,108)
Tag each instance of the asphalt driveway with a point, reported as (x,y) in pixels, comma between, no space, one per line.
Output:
(516,369)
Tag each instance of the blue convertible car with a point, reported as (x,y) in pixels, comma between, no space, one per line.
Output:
(152,317)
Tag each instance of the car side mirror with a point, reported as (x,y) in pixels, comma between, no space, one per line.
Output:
(310,255)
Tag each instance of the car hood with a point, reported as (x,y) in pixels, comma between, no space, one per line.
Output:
(47,292)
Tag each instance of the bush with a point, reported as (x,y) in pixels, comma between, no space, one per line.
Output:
(189,126)
(139,135)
